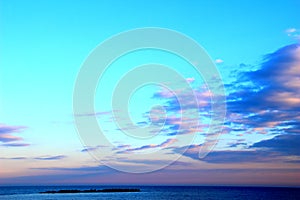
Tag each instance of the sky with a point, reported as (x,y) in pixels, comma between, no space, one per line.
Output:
(253,45)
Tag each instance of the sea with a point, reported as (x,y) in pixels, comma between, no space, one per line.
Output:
(152,192)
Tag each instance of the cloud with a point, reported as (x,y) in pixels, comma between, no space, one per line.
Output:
(281,148)
(242,156)
(164,144)
(83,168)
(190,80)
(184,111)
(7,131)
(7,137)
(268,99)
(263,101)
(293,33)
(15,144)
(237,144)
(101,113)
(59,157)
(13,158)
(284,144)
(219,61)
(88,148)
(290,30)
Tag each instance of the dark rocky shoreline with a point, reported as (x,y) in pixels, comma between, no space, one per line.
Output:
(91,191)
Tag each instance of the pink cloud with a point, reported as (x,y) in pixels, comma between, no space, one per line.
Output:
(6,135)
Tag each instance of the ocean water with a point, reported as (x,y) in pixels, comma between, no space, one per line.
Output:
(153,192)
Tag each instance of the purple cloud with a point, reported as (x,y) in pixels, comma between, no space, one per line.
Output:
(83,168)
(7,131)
(15,144)
(59,157)
(285,144)
(164,144)
(13,158)
(87,148)
(281,148)
(7,137)
(268,99)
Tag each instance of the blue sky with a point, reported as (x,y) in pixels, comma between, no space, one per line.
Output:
(254,44)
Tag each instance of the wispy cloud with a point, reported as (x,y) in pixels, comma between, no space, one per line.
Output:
(13,158)
(59,157)
(293,33)
(88,148)
(93,114)
(164,144)
(8,138)
(15,144)
(190,80)
(219,61)
(83,168)
(290,30)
